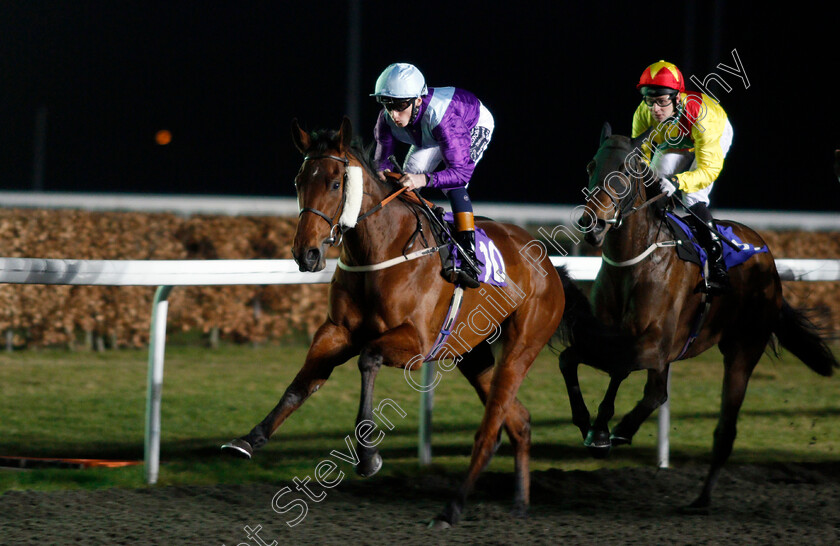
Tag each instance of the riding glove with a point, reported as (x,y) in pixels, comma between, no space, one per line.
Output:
(667,186)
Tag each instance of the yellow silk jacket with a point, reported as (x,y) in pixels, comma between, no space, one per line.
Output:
(698,126)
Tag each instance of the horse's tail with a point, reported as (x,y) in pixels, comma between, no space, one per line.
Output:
(798,334)
(598,345)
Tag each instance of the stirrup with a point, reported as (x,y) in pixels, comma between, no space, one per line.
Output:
(468,280)
(714,283)
(460,275)
(720,285)
(717,283)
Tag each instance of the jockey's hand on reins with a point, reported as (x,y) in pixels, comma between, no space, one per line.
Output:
(403,178)
(413,181)
(389,175)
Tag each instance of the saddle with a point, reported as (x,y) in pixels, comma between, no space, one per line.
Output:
(492,273)
(683,229)
(688,249)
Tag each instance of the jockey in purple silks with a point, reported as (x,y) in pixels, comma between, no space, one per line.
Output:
(441,124)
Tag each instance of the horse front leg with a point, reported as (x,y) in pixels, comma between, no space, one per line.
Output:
(394,348)
(655,394)
(569,362)
(330,347)
(598,439)
(370,461)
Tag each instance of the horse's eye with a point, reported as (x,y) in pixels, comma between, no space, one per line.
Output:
(336,185)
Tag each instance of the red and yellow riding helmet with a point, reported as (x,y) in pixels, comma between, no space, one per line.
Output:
(662,74)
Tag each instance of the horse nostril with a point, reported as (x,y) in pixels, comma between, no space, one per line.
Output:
(312,257)
(587,223)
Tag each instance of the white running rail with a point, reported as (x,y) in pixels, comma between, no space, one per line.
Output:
(165,274)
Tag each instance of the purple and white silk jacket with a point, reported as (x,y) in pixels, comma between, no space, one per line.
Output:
(445,118)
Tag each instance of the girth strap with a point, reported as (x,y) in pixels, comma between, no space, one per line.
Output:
(446,328)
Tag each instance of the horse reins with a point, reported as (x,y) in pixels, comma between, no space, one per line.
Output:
(622,211)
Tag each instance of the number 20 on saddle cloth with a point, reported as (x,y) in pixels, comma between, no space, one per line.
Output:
(491,264)
(695,253)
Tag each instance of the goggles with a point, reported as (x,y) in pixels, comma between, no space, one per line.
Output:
(396,105)
(660,101)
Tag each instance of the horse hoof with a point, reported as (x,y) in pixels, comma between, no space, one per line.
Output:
(519,510)
(238,448)
(598,444)
(449,516)
(370,467)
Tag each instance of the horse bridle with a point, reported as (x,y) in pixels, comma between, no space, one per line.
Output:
(623,206)
(336,230)
(336,233)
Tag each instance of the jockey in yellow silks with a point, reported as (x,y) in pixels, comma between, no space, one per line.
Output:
(690,137)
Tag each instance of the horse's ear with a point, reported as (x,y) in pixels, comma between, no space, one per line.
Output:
(639,140)
(300,137)
(345,134)
(606,132)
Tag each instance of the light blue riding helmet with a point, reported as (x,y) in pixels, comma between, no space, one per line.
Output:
(400,81)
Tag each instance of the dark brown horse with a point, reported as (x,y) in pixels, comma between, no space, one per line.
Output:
(651,300)
(392,316)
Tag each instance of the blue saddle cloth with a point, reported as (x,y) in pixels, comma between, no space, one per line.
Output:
(731,257)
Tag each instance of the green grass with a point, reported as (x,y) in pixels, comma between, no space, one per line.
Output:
(92,405)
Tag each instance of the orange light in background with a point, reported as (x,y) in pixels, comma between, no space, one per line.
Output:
(163,137)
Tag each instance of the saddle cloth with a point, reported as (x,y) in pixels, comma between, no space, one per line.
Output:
(696,254)
(491,263)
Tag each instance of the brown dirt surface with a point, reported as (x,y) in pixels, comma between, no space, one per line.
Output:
(753,504)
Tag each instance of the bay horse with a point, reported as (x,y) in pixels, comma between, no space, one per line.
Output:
(392,316)
(646,293)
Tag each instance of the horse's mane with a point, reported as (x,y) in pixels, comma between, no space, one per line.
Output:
(324,140)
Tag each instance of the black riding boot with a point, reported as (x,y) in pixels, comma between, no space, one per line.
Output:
(718,279)
(466,274)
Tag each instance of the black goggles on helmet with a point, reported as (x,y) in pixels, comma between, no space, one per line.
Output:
(397,105)
(660,96)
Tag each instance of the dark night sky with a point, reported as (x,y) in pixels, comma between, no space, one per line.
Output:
(226,78)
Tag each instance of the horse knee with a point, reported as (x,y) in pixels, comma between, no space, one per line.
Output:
(369,361)
(518,432)
(523,435)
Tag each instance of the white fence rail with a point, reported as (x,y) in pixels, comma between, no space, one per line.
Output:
(166,274)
